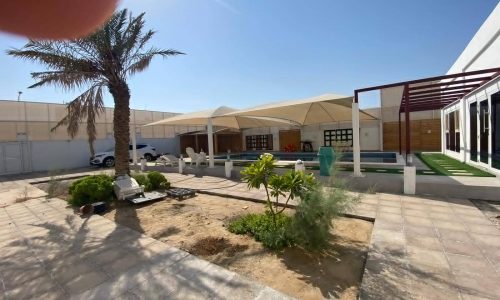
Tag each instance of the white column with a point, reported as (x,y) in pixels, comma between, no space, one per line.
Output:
(355,140)
(210,135)
(134,144)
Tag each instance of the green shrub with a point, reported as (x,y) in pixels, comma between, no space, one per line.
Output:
(91,189)
(262,227)
(313,217)
(143,180)
(158,180)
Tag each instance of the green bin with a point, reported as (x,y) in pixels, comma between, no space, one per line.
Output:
(326,157)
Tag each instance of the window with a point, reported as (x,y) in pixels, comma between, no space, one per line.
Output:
(452,126)
(337,135)
(259,142)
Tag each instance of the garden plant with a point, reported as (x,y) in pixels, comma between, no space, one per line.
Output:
(316,207)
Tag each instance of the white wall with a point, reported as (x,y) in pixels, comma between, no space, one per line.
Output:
(483,51)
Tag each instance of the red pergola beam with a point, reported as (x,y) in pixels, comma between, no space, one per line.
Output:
(402,83)
(449,88)
(447,83)
(456,93)
(430,100)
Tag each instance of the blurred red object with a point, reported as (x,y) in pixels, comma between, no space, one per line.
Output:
(54,19)
(290,148)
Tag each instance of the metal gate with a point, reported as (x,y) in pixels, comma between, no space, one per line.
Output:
(15,157)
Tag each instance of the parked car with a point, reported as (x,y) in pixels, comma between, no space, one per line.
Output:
(107,158)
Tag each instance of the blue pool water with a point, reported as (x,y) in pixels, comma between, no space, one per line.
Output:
(366,157)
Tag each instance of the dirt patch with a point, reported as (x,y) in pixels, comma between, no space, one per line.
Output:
(213,245)
(197,225)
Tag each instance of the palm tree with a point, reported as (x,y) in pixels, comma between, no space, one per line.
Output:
(103,59)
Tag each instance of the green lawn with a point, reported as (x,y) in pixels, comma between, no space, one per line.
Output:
(439,164)
(445,165)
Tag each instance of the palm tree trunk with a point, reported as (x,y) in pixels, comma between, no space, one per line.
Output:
(121,128)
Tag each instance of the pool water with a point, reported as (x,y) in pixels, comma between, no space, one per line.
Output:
(366,157)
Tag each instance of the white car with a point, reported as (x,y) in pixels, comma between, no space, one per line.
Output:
(107,158)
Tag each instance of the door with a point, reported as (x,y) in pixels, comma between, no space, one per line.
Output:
(484,131)
(495,127)
(473,131)
(15,157)
(290,140)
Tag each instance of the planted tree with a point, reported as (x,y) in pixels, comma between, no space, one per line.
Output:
(316,207)
(102,60)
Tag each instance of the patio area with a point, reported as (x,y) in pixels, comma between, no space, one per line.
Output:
(47,252)
(421,248)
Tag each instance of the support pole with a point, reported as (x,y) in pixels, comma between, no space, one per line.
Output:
(134,144)
(355,137)
(210,135)
(407,121)
(400,141)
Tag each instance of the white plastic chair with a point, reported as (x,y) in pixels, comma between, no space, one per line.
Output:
(192,155)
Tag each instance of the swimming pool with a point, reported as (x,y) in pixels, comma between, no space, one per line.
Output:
(366,157)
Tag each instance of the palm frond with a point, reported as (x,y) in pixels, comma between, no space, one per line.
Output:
(141,61)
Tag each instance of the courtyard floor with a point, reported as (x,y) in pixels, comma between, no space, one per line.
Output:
(421,248)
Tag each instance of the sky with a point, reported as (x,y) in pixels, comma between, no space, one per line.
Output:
(242,53)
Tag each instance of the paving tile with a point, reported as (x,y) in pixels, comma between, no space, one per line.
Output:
(440,209)
(33,288)
(478,266)
(389,217)
(424,289)
(486,239)
(85,281)
(385,277)
(382,224)
(420,207)
(462,248)
(415,213)
(475,220)
(418,221)
(429,258)
(386,203)
(412,230)
(449,225)
(455,235)
(424,242)
(442,216)
(484,229)
(487,287)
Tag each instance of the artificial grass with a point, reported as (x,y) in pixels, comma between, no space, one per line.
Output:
(442,164)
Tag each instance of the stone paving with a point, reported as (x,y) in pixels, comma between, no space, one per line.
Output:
(48,252)
(421,248)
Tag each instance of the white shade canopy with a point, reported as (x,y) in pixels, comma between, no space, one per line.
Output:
(219,118)
(325,108)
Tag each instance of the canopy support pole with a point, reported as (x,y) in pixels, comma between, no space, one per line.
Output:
(399,131)
(210,135)
(355,137)
(407,121)
(134,145)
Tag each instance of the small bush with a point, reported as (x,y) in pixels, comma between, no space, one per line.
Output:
(157,180)
(143,180)
(262,228)
(91,189)
(314,214)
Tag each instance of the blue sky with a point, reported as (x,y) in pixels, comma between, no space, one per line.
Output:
(243,53)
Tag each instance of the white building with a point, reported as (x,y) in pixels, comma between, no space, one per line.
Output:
(471,126)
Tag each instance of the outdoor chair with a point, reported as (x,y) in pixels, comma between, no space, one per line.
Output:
(192,155)
(167,160)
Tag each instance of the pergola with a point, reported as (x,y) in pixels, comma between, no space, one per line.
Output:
(430,93)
